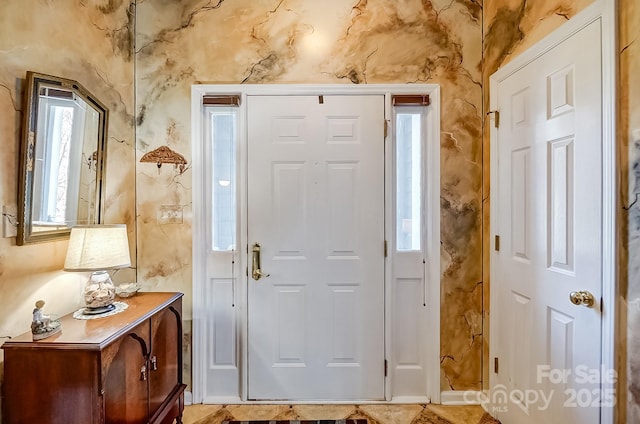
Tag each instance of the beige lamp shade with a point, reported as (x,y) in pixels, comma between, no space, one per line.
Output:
(97,247)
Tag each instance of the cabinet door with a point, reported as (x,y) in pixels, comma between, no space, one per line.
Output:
(165,360)
(127,379)
(50,386)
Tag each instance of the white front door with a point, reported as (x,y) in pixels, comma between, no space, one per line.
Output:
(316,214)
(548,216)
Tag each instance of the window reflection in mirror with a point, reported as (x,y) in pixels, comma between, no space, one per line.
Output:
(62,156)
(64,172)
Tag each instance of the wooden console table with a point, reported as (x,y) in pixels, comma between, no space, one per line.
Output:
(125,368)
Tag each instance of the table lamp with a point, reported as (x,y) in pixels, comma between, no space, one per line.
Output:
(98,248)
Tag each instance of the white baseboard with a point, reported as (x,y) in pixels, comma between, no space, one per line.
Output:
(451,397)
(223,400)
(460,397)
(409,399)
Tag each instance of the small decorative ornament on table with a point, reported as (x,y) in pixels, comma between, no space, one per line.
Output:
(42,325)
(98,248)
(127,290)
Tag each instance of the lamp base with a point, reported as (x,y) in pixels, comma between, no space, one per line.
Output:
(99,291)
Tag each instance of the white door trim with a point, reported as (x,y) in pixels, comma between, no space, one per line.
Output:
(199,225)
(603,10)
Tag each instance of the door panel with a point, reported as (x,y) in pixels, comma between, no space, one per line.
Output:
(549,216)
(126,382)
(316,208)
(165,358)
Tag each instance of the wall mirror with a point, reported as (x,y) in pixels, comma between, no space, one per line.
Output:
(62,157)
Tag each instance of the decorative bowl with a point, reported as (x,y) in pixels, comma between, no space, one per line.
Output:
(127,289)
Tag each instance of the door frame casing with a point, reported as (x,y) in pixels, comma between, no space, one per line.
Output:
(605,11)
(432,167)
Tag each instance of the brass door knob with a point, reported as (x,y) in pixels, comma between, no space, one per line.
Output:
(256,271)
(582,297)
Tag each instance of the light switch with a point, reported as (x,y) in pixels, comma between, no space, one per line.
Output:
(170,214)
(9,221)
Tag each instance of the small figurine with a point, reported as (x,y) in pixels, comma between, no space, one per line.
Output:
(42,325)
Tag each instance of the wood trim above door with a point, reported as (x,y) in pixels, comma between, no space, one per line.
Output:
(217,100)
(410,100)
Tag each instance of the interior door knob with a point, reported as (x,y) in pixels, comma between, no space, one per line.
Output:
(582,297)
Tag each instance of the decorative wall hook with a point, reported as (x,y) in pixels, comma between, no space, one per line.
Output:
(164,154)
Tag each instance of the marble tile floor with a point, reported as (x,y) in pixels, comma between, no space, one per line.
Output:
(375,414)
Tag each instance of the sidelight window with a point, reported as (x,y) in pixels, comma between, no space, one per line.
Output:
(222,129)
(409,178)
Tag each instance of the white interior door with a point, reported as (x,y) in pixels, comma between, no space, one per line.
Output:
(316,209)
(549,220)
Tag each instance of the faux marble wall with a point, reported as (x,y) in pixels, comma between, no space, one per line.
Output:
(89,41)
(629,137)
(332,41)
